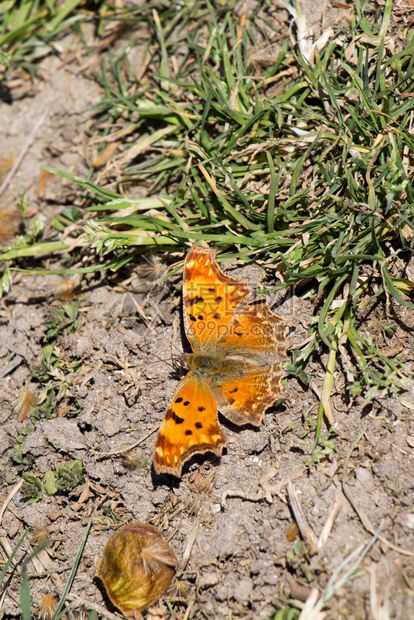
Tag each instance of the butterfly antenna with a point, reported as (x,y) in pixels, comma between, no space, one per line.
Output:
(179,356)
(164,361)
(176,348)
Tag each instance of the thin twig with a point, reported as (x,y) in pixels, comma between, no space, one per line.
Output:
(268,489)
(310,604)
(329,522)
(87,604)
(47,573)
(249,498)
(10,496)
(107,455)
(190,543)
(23,152)
(190,606)
(305,529)
(360,513)
(337,581)
(43,561)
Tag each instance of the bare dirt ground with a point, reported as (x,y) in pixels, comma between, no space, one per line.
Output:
(230,518)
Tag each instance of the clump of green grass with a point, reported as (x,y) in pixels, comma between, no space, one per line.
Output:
(342,576)
(306,165)
(61,606)
(29,29)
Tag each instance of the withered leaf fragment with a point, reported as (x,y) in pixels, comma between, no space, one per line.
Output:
(136,567)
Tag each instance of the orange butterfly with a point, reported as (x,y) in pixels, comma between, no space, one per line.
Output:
(236,365)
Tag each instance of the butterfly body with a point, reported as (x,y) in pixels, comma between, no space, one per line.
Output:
(217,369)
(204,363)
(235,366)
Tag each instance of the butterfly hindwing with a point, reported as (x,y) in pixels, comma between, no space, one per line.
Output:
(190,426)
(244,401)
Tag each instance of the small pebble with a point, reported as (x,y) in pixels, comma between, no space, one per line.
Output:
(410,441)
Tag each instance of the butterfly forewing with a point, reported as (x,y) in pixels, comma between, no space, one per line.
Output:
(210,298)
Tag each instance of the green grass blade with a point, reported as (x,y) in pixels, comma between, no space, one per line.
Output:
(11,557)
(58,611)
